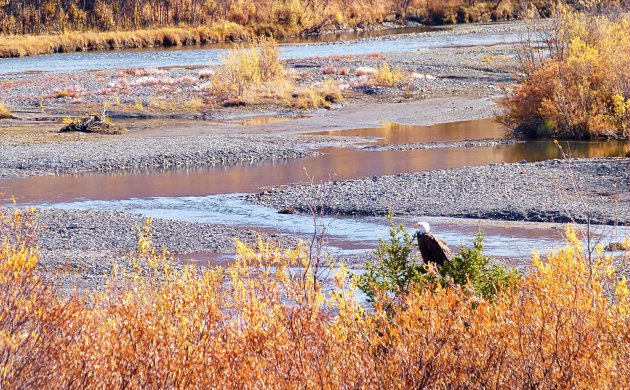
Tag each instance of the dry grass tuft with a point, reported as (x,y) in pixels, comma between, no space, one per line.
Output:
(66,93)
(343,72)
(256,75)
(194,104)
(320,95)
(386,76)
(5,113)
(244,70)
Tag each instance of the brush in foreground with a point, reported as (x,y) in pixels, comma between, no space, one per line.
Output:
(267,321)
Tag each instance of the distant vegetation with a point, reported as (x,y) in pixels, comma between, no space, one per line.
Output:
(266,320)
(576,82)
(72,25)
(5,113)
(255,75)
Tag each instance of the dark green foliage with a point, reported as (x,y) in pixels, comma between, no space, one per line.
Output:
(471,265)
(397,269)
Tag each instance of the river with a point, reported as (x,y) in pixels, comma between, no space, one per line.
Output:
(216,194)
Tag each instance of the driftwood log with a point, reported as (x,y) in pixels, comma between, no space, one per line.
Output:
(92,124)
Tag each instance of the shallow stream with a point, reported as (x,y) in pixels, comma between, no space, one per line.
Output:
(308,47)
(215,195)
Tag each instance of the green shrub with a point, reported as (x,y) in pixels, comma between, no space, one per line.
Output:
(397,269)
(472,266)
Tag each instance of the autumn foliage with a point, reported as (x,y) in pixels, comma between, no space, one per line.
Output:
(5,112)
(580,87)
(268,321)
(30,27)
(255,75)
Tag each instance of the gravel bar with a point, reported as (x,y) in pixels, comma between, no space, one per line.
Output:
(442,145)
(146,154)
(541,192)
(79,247)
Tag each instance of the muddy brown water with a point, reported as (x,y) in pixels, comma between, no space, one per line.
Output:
(334,163)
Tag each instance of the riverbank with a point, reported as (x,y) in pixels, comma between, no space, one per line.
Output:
(169,144)
(79,247)
(175,126)
(159,153)
(196,36)
(551,191)
(157,90)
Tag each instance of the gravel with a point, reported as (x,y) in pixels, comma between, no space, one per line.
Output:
(146,154)
(441,145)
(542,192)
(436,72)
(79,247)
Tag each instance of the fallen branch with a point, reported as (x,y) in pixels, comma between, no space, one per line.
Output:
(92,124)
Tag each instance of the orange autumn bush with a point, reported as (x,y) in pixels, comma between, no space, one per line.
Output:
(580,89)
(267,320)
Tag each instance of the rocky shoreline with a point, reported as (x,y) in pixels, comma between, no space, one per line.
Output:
(79,247)
(145,154)
(441,145)
(541,192)
(174,124)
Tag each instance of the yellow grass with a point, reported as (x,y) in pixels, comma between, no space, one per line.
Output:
(63,93)
(117,24)
(194,104)
(28,45)
(386,76)
(255,75)
(320,95)
(5,113)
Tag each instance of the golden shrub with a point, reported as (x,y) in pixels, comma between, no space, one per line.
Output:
(266,320)
(581,90)
(245,69)
(387,76)
(257,76)
(5,113)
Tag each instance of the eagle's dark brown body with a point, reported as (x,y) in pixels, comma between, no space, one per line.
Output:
(433,250)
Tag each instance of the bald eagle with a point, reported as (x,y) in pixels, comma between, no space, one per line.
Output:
(432,249)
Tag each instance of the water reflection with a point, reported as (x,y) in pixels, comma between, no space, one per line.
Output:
(335,163)
(263,120)
(394,133)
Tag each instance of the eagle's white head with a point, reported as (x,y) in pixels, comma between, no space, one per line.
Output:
(423,227)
